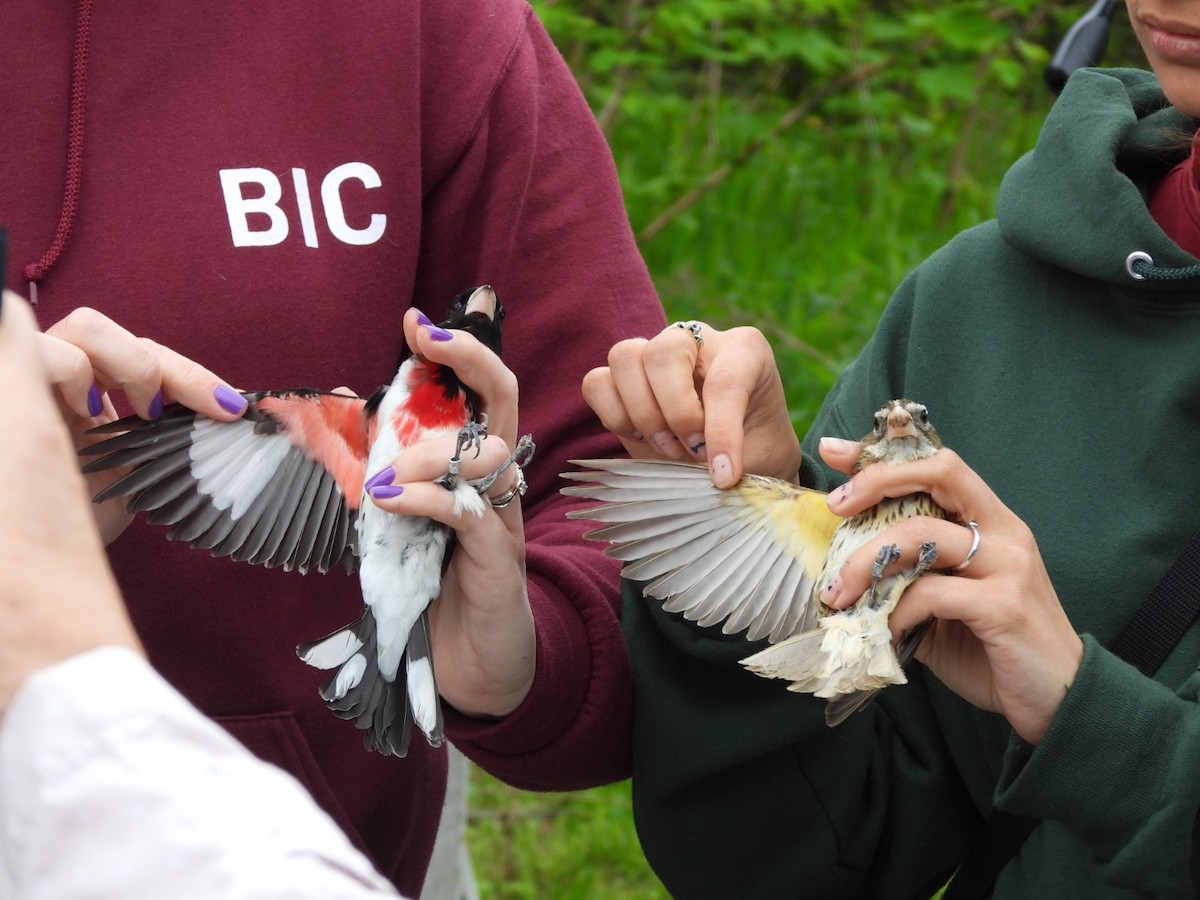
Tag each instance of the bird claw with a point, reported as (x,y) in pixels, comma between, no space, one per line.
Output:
(520,456)
(470,435)
(887,555)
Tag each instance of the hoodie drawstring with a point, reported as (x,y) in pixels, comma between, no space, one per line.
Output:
(1140,266)
(35,272)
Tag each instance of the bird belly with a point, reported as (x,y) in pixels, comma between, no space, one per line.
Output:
(401,573)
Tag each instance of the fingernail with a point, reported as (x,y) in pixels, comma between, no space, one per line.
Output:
(156,405)
(423,319)
(667,444)
(722,470)
(228,399)
(95,400)
(383,477)
(386,491)
(837,445)
(840,495)
(637,436)
(439,334)
(696,444)
(832,591)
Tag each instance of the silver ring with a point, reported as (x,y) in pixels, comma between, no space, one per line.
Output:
(518,489)
(694,328)
(974,526)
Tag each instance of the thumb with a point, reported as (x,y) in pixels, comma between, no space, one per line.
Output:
(840,454)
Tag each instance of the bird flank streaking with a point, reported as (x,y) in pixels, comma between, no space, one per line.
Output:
(758,556)
(285,486)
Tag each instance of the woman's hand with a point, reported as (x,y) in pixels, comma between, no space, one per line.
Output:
(87,355)
(57,596)
(718,401)
(482,625)
(1000,638)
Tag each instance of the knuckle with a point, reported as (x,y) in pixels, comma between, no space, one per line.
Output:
(626,353)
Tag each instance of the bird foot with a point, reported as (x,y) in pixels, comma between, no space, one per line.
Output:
(887,555)
(520,455)
(470,435)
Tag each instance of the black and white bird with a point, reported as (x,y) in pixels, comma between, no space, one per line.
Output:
(285,485)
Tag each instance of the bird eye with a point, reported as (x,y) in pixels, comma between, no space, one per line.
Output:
(922,415)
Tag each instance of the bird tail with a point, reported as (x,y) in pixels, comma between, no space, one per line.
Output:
(358,690)
(423,699)
(843,657)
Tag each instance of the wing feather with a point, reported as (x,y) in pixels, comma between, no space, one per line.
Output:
(270,488)
(745,558)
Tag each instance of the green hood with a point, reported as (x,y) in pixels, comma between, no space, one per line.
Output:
(1112,127)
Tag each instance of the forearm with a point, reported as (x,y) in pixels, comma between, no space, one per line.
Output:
(573,729)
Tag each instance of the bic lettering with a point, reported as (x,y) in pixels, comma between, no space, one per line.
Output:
(258,220)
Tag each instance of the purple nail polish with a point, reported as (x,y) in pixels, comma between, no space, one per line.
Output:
(387,491)
(95,400)
(228,399)
(423,319)
(439,334)
(383,477)
(156,405)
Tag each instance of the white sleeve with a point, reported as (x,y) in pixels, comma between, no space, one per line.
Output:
(113,786)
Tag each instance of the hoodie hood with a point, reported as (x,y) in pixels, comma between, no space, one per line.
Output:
(1078,200)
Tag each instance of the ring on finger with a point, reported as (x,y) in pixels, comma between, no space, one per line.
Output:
(518,489)
(692,327)
(974,526)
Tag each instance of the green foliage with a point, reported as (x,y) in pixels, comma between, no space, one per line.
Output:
(785,163)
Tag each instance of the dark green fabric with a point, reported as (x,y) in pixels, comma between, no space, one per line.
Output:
(1074,391)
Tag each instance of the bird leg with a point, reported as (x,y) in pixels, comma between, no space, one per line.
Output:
(926,558)
(887,555)
(521,455)
(470,435)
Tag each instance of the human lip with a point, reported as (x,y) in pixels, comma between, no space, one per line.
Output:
(1175,41)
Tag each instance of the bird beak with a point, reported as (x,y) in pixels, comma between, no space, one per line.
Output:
(900,423)
(483,300)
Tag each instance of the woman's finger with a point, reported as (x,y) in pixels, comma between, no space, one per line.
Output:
(952,544)
(148,373)
(954,486)
(475,365)
(671,360)
(627,365)
(70,372)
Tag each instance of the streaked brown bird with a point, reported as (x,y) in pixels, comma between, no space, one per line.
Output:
(758,557)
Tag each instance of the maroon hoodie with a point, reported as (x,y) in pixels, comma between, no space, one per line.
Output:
(266,188)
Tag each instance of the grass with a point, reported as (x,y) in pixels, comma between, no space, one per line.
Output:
(806,242)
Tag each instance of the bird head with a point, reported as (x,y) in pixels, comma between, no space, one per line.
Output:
(902,432)
(480,312)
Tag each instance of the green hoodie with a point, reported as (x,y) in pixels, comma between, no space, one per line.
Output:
(1073,388)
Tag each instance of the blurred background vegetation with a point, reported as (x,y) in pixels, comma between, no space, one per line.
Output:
(785,163)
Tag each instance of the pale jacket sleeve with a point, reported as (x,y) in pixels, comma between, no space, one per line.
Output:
(113,786)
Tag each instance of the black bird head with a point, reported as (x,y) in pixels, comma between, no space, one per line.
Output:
(480,312)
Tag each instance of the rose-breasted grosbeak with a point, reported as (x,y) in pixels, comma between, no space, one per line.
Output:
(759,555)
(285,485)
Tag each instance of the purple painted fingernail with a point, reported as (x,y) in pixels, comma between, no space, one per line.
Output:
(423,319)
(439,334)
(228,399)
(156,405)
(383,477)
(95,400)
(387,491)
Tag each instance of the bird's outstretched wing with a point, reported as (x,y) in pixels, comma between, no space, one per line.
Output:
(278,487)
(746,557)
